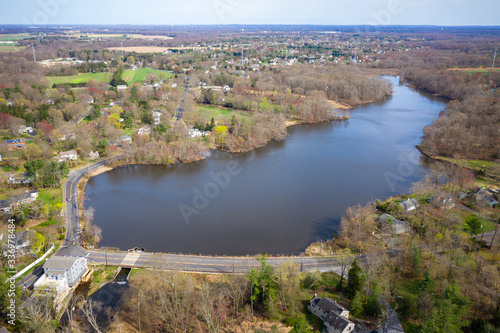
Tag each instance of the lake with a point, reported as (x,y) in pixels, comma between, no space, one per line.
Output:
(277,199)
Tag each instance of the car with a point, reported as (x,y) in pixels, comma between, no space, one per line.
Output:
(68,199)
(136,249)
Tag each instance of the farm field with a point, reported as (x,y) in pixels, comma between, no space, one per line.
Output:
(13,37)
(104,77)
(129,75)
(140,74)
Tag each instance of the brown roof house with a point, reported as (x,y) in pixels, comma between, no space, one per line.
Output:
(335,317)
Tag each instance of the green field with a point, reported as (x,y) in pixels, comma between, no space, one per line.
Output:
(139,75)
(221,114)
(104,77)
(10,47)
(129,75)
(50,196)
(13,37)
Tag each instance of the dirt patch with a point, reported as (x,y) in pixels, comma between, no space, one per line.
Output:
(339,105)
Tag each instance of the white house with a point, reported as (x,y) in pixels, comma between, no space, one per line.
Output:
(25,129)
(121,87)
(409,205)
(335,317)
(398,227)
(146,130)
(67,156)
(60,273)
(157,116)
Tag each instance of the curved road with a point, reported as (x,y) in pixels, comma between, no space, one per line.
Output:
(71,246)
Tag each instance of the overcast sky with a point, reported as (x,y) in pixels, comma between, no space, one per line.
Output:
(324,12)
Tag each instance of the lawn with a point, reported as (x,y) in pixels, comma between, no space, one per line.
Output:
(50,196)
(104,77)
(209,112)
(139,75)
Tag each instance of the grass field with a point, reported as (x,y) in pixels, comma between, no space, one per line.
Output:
(129,75)
(50,196)
(221,114)
(104,77)
(13,37)
(10,48)
(140,74)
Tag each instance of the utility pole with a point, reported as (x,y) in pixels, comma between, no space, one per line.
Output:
(242,49)
(34,55)
(494,57)
(123,57)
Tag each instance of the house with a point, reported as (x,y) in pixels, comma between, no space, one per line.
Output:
(121,87)
(196,133)
(24,129)
(226,88)
(19,179)
(22,244)
(124,139)
(67,156)
(485,197)
(59,273)
(15,144)
(174,85)
(68,136)
(398,227)
(444,200)
(157,116)
(93,155)
(335,317)
(146,130)
(26,197)
(409,205)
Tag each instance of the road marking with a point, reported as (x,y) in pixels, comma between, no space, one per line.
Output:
(130,259)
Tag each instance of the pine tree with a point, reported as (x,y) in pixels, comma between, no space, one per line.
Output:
(354,282)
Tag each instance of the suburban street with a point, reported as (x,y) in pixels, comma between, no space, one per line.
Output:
(180,110)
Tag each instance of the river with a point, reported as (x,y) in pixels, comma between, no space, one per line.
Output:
(277,199)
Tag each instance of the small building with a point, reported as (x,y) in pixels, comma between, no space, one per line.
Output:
(121,87)
(25,129)
(59,273)
(124,139)
(66,156)
(15,144)
(157,116)
(485,197)
(398,227)
(444,200)
(409,205)
(22,244)
(226,88)
(335,317)
(93,155)
(146,130)
(26,197)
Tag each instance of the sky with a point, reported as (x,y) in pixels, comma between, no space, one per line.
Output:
(311,12)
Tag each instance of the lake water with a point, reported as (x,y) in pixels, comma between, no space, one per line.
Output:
(277,199)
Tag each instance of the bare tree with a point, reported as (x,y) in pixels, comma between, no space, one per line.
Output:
(90,310)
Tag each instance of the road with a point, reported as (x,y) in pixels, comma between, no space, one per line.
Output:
(180,110)
(71,247)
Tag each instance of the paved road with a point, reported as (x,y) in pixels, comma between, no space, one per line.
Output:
(180,110)
(72,248)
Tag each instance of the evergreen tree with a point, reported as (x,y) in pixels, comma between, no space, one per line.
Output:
(354,282)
